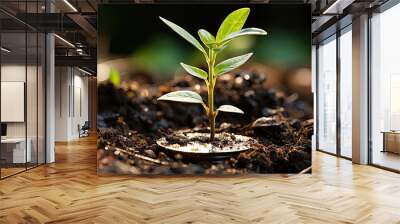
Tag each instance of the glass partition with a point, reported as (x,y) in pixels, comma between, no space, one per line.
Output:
(22,98)
(327,95)
(14,151)
(31,97)
(346,92)
(385,89)
(41,96)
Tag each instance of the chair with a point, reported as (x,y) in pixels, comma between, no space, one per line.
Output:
(84,130)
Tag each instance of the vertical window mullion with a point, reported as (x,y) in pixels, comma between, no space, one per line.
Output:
(338,80)
(37,90)
(26,86)
(317,97)
(369,77)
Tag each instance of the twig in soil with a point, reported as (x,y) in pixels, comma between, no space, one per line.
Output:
(142,157)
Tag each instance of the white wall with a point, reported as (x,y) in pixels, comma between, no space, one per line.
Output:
(71,102)
(80,111)
(14,73)
(33,127)
(62,82)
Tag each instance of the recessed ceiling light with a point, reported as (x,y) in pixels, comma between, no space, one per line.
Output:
(64,40)
(70,5)
(338,6)
(5,50)
(84,71)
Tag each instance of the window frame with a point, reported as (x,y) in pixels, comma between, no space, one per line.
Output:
(336,35)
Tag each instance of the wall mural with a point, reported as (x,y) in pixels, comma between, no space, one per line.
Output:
(204,89)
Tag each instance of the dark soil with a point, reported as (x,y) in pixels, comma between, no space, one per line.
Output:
(181,138)
(130,121)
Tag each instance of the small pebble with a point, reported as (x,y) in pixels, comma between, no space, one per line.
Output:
(150,153)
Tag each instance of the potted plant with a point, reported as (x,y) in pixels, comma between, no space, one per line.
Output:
(231,28)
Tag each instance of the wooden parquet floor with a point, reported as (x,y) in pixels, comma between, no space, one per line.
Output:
(70,191)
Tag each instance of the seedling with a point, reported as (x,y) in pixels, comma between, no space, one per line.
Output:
(230,29)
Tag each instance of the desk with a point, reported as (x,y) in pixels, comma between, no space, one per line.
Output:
(391,141)
(15,148)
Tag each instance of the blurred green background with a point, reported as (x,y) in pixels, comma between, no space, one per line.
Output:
(133,40)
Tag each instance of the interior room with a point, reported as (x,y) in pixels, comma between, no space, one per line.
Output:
(83,114)
(71,111)
(385,120)
(22,102)
(25,95)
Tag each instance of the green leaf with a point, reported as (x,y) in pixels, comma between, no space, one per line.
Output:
(232,63)
(197,72)
(114,77)
(206,37)
(183,33)
(243,32)
(230,109)
(232,23)
(184,96)
(219,47)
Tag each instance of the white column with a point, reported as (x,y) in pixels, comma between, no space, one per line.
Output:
(360,90)
(63,99)
(50,92)
(50,98)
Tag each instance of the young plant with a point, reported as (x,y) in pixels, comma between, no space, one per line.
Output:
(230,29)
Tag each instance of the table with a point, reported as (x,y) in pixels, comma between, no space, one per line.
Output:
(15,148)
(391,141)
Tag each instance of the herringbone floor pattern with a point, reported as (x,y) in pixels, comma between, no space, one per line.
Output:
(70,191)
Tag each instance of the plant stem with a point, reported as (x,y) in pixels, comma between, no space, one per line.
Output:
(211,81)
(211,116)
